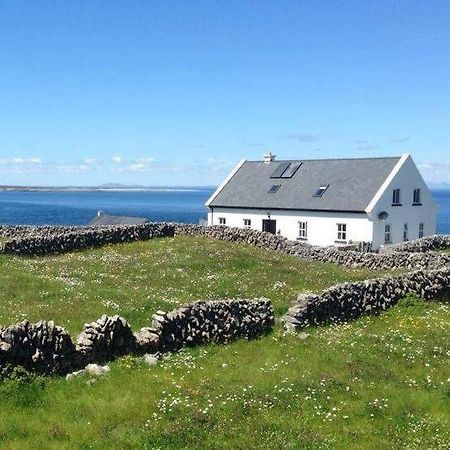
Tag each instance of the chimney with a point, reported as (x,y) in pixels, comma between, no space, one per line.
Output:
(99,213)
(269,157)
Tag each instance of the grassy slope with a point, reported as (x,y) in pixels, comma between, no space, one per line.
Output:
(375,383)
(136,279)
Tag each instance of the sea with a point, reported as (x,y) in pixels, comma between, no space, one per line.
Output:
(79,207)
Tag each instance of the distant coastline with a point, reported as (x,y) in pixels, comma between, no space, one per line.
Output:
(105,188)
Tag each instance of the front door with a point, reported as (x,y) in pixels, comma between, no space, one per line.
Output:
(269,225)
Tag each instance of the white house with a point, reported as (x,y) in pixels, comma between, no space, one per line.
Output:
(329,201)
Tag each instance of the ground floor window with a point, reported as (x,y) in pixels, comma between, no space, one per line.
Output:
(387,234)
(222,221)
(303,230)
(421,227)
(405,232)
(341,231)
(247,223)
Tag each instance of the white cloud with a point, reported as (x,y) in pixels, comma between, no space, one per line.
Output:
(435,172)
(203,168)
(136,167)
(20,160)
(147,159)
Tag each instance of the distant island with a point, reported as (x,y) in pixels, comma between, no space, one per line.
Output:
(103,187)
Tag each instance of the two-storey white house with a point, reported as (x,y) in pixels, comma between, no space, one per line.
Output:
(328,201)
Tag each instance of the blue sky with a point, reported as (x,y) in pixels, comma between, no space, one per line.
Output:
(176,92)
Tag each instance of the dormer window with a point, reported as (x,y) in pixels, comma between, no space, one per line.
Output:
(416,197)
(321,191)
(274,188)
(396,197)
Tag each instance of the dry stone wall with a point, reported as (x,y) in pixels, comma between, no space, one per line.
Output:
(42,346)
(213,321)
(425,244)
(348,301)
(47,348)
(50,240)
(350,258)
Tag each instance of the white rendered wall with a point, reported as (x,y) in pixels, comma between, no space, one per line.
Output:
(322,226)
(407,179)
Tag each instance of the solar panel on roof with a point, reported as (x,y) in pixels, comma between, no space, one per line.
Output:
(280,170)
(291,170)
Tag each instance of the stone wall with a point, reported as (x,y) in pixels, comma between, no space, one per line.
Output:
(213,321)
(351,300)
(350,258)
(425,244)
(47,348)
(21,231)
(42,346)
(49,240)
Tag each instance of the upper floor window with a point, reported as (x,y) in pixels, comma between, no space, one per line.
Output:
(421,228)
(416,197)
(247,223)
(222,221)
(396,197)
(405,232)
(341,231)
(387,234)
(303,230)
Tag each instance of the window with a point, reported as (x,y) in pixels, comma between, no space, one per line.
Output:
(396,197)
(274,188)
(405,232)
(303,230)
(222,221)
(416,197)
(321,191)
(421,227)
(341,231)
(387,234)
(247,223)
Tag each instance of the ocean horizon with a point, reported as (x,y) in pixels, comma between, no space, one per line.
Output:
(78,205)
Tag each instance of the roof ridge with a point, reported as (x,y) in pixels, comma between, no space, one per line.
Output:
(328,159)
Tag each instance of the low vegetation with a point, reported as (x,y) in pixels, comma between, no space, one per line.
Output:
(374,383)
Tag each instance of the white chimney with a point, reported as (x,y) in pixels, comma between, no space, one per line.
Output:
(269,157)
(99,213)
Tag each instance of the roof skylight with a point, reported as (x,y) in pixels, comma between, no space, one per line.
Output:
(274,189)
(321,191)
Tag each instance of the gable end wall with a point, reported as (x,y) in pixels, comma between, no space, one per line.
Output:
(407,179)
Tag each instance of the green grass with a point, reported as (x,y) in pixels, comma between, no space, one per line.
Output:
(379,382)
(136,279)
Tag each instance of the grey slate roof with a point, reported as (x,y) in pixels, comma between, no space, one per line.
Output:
(352,185)
(106,219)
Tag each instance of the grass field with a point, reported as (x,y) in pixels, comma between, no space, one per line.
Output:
(379,382)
